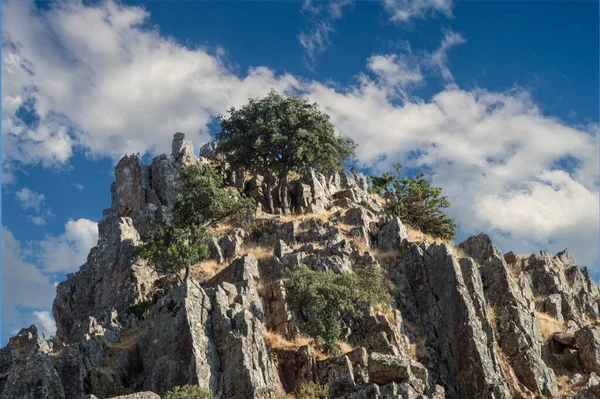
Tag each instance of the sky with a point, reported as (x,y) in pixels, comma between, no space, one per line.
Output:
(496,100)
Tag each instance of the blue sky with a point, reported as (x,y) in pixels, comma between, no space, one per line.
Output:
(499,99)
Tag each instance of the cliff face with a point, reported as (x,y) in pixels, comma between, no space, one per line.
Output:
(467,321)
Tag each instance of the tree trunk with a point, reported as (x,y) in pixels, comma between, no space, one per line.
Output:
(269,197)
(188,272)
(283,195)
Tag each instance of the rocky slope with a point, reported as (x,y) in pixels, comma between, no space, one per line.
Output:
(467,321)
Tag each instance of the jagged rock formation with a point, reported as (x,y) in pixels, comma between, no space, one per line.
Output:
(467,321)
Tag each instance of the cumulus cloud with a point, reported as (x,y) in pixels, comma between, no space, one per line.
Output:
(404,10)
(78,186)
(68,251)
(23,285)
(98,81)
(400,73)
(107,86)
(494,154)
(44,321)
(30,199)
(28,273)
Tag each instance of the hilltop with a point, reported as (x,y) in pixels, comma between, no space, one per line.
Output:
(463,321)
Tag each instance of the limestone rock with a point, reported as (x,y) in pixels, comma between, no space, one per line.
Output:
(209,150)
(391,235)
(90,301)
(176,348)
(518,331)
(588,342)
(26,368)
(138,395)
(182,150)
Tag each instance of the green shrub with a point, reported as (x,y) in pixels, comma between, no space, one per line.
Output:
(325,300)
(415,202)
(141,309)
(312,391)
(189,392)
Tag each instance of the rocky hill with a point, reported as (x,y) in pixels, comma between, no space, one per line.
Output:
(467,321)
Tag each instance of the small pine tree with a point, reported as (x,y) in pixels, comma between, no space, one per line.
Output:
(415,202)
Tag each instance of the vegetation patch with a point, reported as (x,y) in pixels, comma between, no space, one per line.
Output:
(415,202)
(189,392)
(326,301)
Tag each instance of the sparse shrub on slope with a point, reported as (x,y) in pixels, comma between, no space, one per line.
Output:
(189,392)
(203,201)
(415,202)
(324,300)
(277,135)
(312,391)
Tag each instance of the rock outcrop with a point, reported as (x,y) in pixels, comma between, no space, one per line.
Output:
(465,321)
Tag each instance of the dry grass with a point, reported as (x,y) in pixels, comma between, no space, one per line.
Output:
(418,345)
(415,235)
(323,216)
(278,342)
(386,258)
(129,341)
(549,325)
(345,347)
(206,269)
(260,252)
(221,229)
(508,375)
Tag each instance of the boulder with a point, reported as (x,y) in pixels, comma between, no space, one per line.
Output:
(588,342)
(391,235)
(177,349)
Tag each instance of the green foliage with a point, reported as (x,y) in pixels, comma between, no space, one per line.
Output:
(415,202)
(325,300)
(189,392)
(277,135)
(203,201)
(172,248)
(140,309)
(312,391)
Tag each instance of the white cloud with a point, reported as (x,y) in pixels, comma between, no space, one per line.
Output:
(68,251)
(23,285)
(45,322)
(316,39)
(493,153)
(34,202)
(401,72)
(106,83)
(78,186)
(30,199)
(27,281)
(404,10)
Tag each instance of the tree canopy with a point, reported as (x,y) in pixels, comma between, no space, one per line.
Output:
(277,135)
(203,201)
(415,202)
